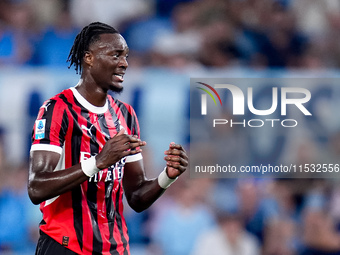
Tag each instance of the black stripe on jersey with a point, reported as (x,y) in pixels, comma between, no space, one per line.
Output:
(110,214)
(114,118)
(119,221)
(127,115)
(77,215)
(48,115)
(64,127)
(92,201)
(76,192)
(103,126)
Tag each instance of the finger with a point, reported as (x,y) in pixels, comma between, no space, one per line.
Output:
(133,148)
(172,158)
(124,138)
(121,132)
(133,145)
(174,152)
(174,146)
(135,138)
(176,166)
(120,139)
(176,159)
(177,152)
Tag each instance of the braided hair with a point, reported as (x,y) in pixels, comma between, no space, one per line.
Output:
(84,39)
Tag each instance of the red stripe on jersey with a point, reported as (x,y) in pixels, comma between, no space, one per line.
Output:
(116,232)
(54,124)
(42,110)
(87,237)
(59,211)
(124,226)
(87,224)
(102,219)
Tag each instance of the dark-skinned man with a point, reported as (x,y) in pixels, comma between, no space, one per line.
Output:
(86,152)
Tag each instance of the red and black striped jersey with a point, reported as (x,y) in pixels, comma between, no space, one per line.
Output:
(89,218)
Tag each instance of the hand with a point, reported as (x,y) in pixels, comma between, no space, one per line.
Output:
(118,147)
(176,160)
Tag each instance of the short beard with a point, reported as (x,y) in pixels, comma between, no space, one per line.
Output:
(116,90)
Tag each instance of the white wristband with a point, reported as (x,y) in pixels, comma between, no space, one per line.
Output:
(89,166)
(164,181)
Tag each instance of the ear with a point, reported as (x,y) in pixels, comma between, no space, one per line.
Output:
(88,58)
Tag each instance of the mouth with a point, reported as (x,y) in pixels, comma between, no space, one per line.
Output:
(120,77)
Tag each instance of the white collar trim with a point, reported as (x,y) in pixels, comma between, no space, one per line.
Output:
(88,105)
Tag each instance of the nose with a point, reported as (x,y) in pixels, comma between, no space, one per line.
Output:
(123,62)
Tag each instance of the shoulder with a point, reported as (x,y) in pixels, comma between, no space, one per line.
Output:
(57,103)
(61,98)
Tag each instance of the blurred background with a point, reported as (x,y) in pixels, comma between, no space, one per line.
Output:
(171,41)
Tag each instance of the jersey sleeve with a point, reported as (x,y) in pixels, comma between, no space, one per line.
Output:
(50,127)
(133,125)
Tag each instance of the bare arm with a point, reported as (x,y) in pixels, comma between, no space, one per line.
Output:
(140,192)
(45,183)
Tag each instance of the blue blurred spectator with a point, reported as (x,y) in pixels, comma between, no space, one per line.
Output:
(16,33)
(256,206)
(184,221)
(56,41)
(164,8)
(135,33)
(33,106)
(228,238)
(114,13)
(18,217)
(283,45)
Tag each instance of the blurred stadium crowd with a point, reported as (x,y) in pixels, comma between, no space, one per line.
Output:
(195,216)
(216,33)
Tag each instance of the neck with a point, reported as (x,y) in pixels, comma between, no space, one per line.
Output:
(92,92)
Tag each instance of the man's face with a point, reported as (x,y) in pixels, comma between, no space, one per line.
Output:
(109,61)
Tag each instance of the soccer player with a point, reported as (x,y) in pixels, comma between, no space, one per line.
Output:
(86,152)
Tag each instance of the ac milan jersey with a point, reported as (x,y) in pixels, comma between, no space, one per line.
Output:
(89,218)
